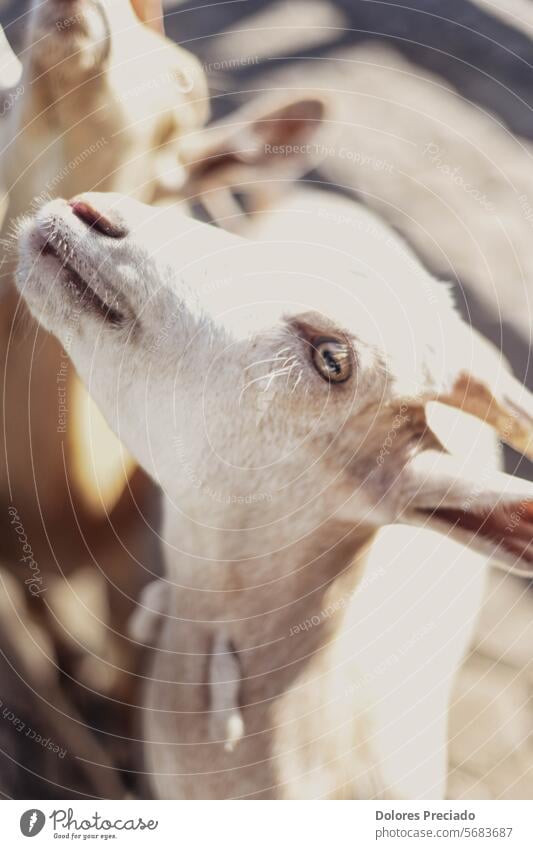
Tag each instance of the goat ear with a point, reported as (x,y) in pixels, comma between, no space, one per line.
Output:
(274,137)
(150,12)
(483,386)
(490,512)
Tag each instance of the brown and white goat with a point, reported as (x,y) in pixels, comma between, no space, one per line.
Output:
(325,540)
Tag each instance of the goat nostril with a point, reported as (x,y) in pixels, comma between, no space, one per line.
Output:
(96,221)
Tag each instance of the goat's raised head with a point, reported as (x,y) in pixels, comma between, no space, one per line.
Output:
(81,31)
(280,373)
(122,44)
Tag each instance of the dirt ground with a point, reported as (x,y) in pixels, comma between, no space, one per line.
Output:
(433,128)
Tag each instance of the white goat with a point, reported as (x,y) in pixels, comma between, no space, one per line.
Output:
(295,654)
(103,101)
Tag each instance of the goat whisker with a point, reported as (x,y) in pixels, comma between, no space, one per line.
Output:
(269,378)
(270,359)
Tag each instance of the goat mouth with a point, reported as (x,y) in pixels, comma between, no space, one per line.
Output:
(85,294)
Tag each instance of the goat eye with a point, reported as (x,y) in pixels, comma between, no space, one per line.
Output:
(332,359)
